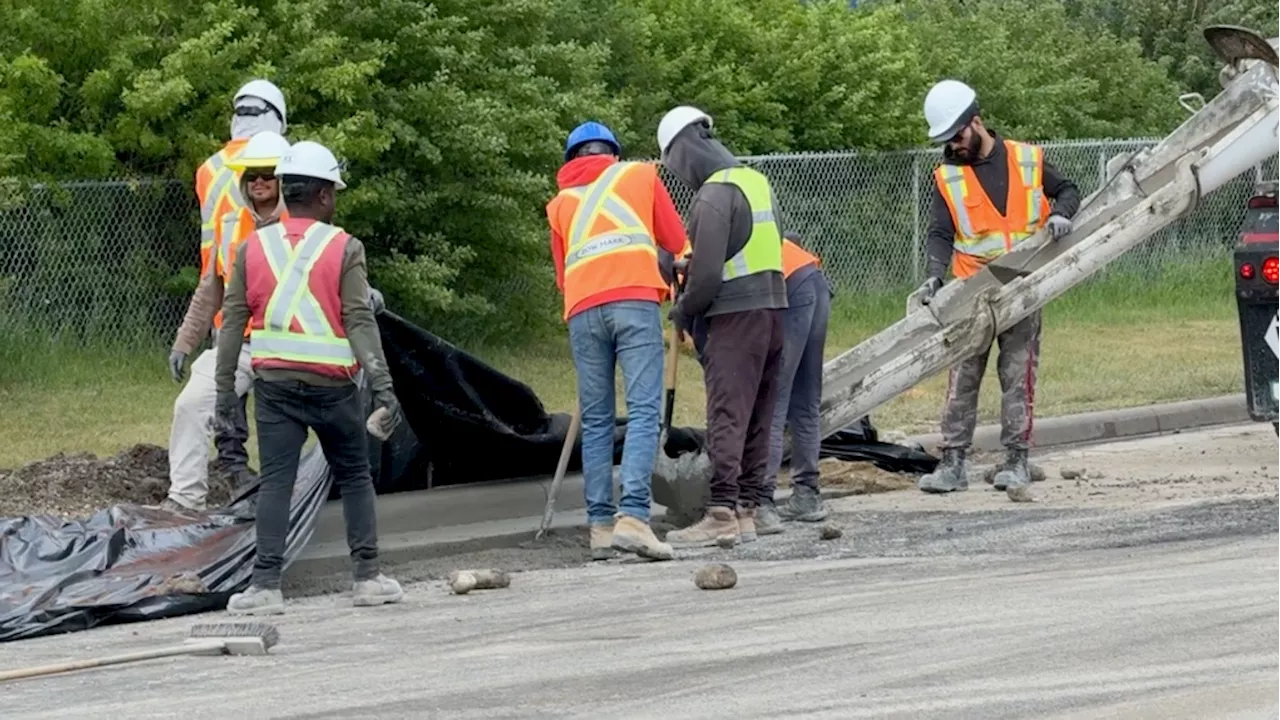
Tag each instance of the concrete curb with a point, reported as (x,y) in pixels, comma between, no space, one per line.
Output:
(1108,425)
(433,523)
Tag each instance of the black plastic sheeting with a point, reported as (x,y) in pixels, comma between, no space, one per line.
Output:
(121,564)
(129,563)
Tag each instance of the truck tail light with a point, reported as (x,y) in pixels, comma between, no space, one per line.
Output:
(1259,202)
(1271,270)
(1246,271)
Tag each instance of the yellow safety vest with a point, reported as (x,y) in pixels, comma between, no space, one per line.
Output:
(763,251)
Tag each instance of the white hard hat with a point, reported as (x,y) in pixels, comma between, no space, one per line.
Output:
(948,106)
(262,150)
(266,91)
(676,120)
(311,159)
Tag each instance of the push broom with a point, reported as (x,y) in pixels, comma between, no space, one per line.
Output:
(249,638)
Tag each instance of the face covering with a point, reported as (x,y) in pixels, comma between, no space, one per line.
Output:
(243,126)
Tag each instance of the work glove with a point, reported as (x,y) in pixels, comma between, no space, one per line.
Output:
(226,408)
(1059,227)
(177,359)
(375,301)
(682,321)
(386,415)
(923,294)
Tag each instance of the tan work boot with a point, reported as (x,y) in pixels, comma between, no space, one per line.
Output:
(718,522)
(747,525)
(633,535)
(601,541)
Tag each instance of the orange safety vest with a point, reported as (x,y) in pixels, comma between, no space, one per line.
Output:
(238,230)
(607,228)
(222,209)
(293,287)
(795,257)
(982,234)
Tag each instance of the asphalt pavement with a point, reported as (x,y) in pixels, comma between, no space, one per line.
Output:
(1145,588)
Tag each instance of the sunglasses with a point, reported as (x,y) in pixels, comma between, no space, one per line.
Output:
(252,175)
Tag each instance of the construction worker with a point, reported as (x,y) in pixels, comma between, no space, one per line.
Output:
(300,286)
(226,219)
(735,281)
(799,395)
(607,223)
(990,194)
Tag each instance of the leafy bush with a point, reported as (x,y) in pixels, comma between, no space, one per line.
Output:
(451,115)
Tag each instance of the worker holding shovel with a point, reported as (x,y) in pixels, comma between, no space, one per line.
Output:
(735,280)
(607,223)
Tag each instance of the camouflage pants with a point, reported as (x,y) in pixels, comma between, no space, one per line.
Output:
(1016,365)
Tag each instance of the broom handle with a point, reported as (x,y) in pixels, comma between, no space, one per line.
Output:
(69,665)
(673,356)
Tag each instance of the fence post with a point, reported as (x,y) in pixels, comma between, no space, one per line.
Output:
(917,267)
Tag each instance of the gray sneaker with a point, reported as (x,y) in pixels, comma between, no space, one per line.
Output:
(804,505)
(767,520)
(256,601)
(378,591)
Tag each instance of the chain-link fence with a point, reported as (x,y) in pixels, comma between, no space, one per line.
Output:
(85,262)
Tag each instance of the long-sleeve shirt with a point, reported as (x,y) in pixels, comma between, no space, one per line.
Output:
(357,320)
(993,174)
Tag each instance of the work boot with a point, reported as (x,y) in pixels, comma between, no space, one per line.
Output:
(949,476)
(767,520)
(256,601)
(601,541)
(804,505)
(381,590)
(171,505)
(1015,477)
(718,522)
(633,535)
(747,525)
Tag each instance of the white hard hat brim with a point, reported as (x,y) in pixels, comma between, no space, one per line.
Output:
(943,135)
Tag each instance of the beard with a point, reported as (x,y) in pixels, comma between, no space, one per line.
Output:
(969,149)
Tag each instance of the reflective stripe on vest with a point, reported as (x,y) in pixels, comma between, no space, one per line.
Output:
(763,251)
(224,185)
(596,199)
(292,300)
(993,244)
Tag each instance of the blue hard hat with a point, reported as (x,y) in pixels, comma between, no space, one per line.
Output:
(586,132)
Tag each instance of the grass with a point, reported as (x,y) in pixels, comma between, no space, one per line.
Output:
(1120,341)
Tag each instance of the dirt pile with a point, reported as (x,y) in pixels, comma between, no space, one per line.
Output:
(80,484)
(863,478)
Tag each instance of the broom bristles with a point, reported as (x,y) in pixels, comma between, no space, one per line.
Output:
(266,632)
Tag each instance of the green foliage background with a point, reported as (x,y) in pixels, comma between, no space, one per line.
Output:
(451,115)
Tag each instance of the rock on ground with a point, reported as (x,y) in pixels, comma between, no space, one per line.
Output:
(80,484)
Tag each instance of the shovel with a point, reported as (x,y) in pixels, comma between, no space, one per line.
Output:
(681,483)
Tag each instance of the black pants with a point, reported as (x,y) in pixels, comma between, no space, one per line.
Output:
(285,410)
(742,359)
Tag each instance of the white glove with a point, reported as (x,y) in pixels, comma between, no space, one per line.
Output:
(1059,227)
(923,294)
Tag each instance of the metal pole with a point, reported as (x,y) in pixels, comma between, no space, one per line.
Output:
(917,268)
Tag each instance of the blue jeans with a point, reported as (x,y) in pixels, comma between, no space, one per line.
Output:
(804,338)
(630,332)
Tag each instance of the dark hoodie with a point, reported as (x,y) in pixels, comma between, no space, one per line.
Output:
(719,227)
(992,172)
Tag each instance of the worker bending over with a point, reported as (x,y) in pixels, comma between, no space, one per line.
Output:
(300,286)
(607,223)
(734,280)
(799,395)
(990,194)
(228,214)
